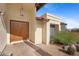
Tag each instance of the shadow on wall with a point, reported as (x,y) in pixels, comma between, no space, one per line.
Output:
(3,33)
(4,22)
(38,49)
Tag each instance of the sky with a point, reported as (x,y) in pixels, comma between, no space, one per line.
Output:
(69,12)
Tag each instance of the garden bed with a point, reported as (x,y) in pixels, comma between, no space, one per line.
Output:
(67,41)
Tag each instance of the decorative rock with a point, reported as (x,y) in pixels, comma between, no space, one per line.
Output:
(70,49)
(66,47)
(77,47)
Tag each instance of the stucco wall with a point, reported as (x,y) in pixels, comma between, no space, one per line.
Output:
(3,33)
(44,33)
(13,13)
(56,23)
(46,28)
(38,32)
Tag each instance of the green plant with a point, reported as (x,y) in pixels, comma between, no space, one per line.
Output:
(65,38)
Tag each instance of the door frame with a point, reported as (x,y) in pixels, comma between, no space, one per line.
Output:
(10,30)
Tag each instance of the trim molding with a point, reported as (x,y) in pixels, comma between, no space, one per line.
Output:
(15,42)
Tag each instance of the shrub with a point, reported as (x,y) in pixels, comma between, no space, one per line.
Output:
(65,38)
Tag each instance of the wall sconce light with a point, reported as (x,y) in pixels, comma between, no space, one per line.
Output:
(21,11)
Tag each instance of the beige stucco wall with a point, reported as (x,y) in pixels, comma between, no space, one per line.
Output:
(38,33)
(3,32)
(46,28)
(13,13)
(44,33)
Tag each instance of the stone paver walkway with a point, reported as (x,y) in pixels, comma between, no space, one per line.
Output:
(28,49)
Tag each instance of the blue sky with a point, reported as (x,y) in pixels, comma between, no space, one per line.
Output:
(69,12)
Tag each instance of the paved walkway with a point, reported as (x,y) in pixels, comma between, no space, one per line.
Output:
(28,49)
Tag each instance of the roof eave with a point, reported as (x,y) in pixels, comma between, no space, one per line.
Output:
(39,5)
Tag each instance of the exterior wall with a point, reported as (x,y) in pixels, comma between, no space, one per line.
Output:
(56,23)
(46,29)
(29,10)
(47,33)
(38,32)
(13,13)
(44,33)
(3,33)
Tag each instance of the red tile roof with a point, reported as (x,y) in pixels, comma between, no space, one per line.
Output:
(42,19)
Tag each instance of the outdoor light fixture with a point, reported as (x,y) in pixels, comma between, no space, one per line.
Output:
(21,10)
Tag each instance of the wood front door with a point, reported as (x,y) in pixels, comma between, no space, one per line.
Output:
(19,30)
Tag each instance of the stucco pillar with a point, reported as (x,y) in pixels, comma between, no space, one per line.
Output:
(48,33)
(59,27)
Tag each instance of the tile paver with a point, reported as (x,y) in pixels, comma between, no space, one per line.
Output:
(28,49)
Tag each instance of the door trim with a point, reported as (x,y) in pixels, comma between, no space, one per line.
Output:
(10,32)
(14,42)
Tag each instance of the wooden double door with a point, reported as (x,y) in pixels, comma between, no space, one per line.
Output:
(19,30)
